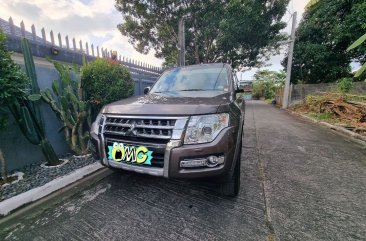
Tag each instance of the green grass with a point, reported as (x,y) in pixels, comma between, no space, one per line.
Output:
(268,101)
(326,116)
(358,98)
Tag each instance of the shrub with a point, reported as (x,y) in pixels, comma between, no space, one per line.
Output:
(344,85)
(105,82)
(266,89)
(258,90)
(13,81)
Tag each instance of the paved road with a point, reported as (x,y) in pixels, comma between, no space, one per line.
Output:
(300,182)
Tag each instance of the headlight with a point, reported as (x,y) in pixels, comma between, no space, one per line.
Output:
(205,128)
(95,126)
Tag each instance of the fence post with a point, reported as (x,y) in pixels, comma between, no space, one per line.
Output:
(59,40)
(92,49)
(67,42)
(44,36)
(22,29)
(81,46)
(87,48)
(52,38)
(34,35)
(11,26)
(74,44)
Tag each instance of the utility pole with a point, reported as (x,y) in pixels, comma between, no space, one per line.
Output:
(286,93)
(181,43)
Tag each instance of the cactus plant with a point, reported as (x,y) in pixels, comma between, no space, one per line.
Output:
(70,107)
(27,113)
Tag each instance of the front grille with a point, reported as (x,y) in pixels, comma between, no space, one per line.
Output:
(152,132)
(140,128)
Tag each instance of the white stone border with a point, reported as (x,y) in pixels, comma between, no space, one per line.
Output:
(64,161)
(19,176)
(37,193)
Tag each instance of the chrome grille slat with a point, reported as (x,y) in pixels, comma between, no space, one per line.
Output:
(156,128)
(142,126)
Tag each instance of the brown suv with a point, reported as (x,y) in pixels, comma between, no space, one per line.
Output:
(188,125)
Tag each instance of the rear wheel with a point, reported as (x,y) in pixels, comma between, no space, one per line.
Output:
(230,187)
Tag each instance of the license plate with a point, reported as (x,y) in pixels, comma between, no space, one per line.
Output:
(120,152)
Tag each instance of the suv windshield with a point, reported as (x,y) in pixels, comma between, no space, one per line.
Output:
(193,79)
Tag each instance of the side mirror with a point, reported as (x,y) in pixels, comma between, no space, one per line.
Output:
(146,90)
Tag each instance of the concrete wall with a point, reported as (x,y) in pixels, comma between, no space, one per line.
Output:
(299,92)
(17,150)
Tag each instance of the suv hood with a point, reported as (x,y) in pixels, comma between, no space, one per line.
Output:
(154,104)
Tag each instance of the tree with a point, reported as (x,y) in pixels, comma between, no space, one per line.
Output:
(327,29)
(241,32)
(267,82)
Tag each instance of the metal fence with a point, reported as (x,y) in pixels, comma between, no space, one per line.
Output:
(73,51)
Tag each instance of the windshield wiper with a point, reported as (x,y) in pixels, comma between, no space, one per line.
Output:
(165,91)
(193,90)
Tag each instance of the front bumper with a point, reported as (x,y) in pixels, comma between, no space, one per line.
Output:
(174,152)
(223,145)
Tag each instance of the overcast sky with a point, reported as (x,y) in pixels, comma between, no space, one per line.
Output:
(95,21)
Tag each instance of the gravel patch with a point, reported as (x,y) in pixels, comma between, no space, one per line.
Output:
(36,176)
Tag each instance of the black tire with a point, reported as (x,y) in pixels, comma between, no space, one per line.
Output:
(231,186)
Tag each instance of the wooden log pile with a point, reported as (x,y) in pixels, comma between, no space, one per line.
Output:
(351,113)
(348,110)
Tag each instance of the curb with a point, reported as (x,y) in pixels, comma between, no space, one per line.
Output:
(37,193)
(343,131)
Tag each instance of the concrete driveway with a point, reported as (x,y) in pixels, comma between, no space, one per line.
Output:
(299,182)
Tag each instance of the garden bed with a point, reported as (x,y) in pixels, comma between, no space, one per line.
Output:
(35,175)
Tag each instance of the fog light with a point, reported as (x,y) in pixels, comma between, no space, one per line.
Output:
(211,161)
(193,163)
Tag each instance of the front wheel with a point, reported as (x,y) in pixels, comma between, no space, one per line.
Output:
(231,186)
